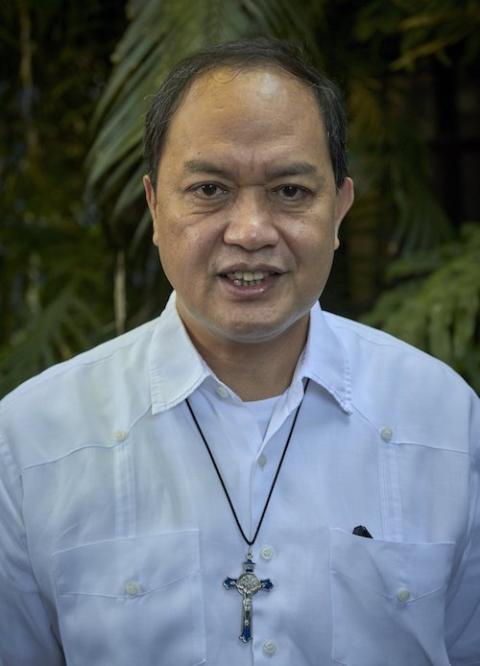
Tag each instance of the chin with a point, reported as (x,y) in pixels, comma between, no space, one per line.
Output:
(254,332)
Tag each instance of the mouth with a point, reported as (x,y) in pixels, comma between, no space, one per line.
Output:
(249,278)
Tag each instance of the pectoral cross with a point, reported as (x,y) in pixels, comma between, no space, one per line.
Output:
(248,585)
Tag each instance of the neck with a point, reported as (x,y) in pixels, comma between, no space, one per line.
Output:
(255,371)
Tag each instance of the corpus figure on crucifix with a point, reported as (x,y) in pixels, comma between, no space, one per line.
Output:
(248,585)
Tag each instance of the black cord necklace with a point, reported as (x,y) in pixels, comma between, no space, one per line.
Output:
(247,583)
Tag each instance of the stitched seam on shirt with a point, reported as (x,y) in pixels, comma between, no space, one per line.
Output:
(6,452)
(332,601)
(383,473)
(390,597)
(405,442)
(395,499)
(127,596)
(107,445)
(429,594)
(127,490)
(147,537)
(122,492)
(132,514)
(457,571)
(389,485)
(52,461)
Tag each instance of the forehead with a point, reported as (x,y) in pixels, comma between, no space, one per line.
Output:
(249,121)
(267,80)
(254,107)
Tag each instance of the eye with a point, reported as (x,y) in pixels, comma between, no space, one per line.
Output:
(292,192)
(209,191)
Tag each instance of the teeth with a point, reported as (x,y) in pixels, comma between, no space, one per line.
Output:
(248,276)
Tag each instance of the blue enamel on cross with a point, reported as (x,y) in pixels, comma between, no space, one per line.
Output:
(248,585)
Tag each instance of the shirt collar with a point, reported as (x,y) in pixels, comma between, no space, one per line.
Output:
(177,369)
(325,359)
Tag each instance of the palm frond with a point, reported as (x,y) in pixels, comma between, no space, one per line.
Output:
(441,311)
(384,148)
(50,337)
(159,35)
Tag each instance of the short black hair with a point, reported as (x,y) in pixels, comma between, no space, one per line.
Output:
(246,54)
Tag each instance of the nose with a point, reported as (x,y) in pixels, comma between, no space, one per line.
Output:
(250,224)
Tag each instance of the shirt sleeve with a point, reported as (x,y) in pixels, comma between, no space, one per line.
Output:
(26,637)
(463,615)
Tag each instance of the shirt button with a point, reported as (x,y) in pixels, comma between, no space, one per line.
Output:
(266,552)
(269,647)
(262,460)
(222,391)
(386,434)
(132,588)
(120,435)
(403,595)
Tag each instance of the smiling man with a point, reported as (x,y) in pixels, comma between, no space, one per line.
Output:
(245,478)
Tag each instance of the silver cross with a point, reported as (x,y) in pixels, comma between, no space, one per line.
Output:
(248,585)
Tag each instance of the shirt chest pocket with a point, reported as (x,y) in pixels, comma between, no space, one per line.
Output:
(132,601)
(388,601)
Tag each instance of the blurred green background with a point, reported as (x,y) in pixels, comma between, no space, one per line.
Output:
(76,261)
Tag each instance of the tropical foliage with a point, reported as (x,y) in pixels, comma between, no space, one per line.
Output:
(435,303)
(76,261)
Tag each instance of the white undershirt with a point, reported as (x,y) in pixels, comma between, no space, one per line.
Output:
(262,411)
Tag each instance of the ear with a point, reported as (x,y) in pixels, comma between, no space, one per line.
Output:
(344,200)
(152,204)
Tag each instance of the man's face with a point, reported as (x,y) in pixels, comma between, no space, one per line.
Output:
(245,210)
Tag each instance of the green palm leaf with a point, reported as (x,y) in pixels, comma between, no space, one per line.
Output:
(55,333)
(159,35)
(439,312)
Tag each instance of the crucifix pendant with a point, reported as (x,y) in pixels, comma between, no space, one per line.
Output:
(247,584)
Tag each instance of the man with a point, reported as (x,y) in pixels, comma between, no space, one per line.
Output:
(246,466)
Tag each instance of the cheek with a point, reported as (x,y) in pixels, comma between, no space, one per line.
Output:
(169,230)
(183,249)
(312,240)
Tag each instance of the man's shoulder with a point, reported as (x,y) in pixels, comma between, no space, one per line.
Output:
(395,383)
(123,352)
(350,328)
(85,401)
(364,343)
(97,377)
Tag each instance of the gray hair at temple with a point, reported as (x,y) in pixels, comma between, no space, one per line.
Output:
(243,55)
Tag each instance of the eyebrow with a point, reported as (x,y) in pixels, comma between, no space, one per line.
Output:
(292,169)
(197,166)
